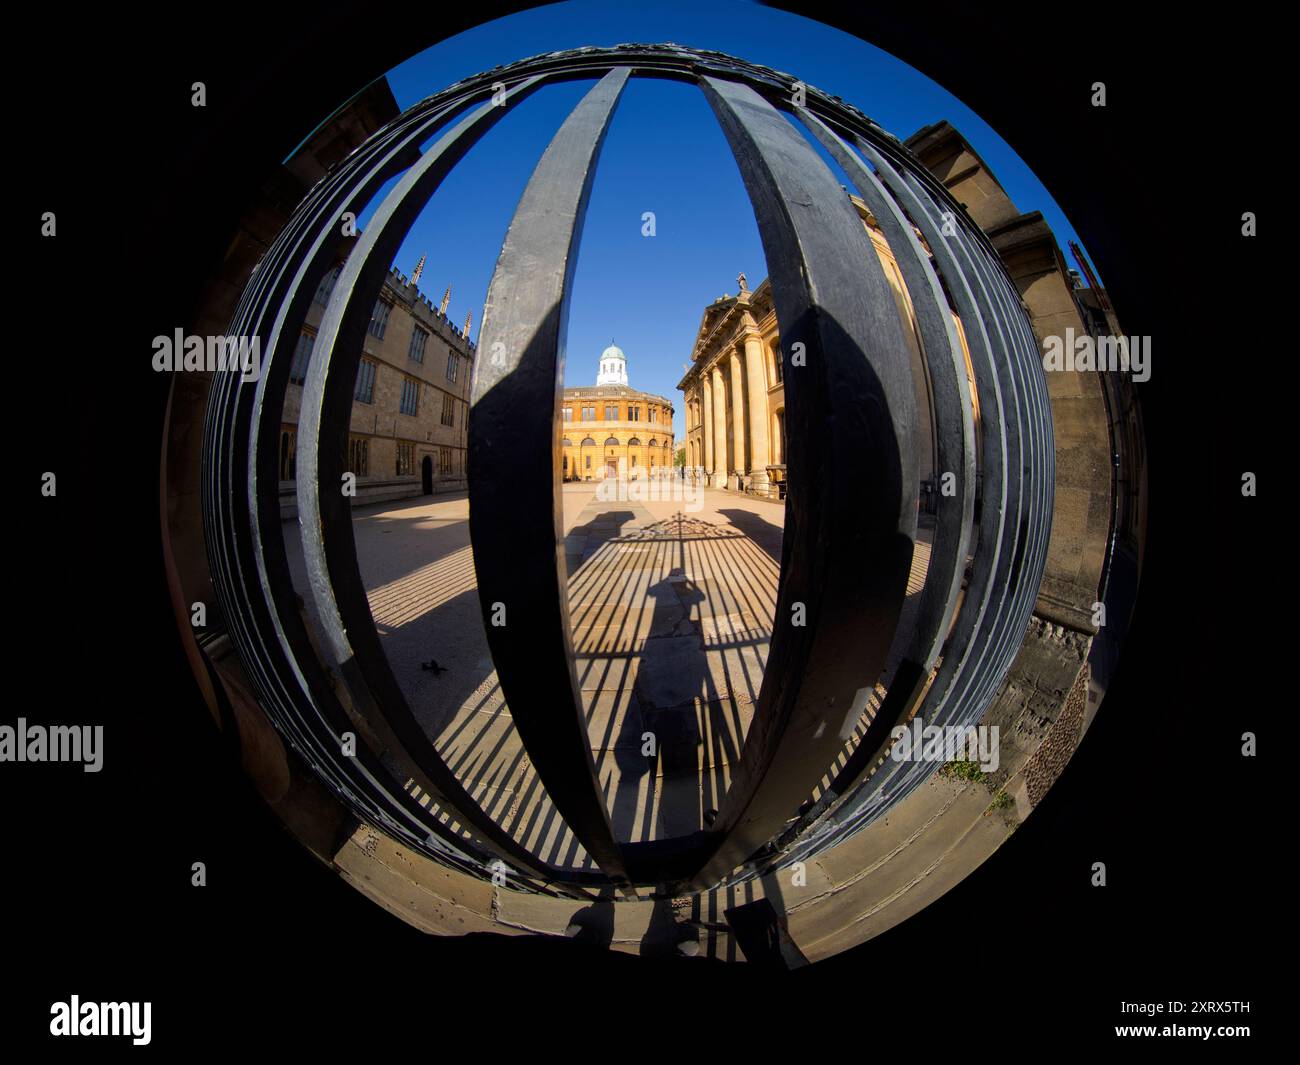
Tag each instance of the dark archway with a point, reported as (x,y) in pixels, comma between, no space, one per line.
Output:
(426,474)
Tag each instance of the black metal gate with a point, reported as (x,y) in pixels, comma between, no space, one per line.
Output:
(849,530)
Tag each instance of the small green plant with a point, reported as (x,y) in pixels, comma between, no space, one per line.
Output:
(1001,801)
(962,769)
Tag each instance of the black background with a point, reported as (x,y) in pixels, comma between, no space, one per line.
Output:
(96,889)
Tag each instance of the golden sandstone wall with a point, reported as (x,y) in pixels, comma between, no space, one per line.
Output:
(409,420)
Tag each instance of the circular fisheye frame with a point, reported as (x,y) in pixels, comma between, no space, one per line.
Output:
(750,669)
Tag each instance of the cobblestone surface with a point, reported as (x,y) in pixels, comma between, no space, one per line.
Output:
(1049,760)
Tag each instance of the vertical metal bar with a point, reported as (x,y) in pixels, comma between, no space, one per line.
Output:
(851,507)
(516,518)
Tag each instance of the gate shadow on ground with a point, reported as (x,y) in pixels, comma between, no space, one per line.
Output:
(670,621)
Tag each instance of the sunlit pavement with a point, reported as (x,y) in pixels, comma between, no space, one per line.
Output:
(671,603)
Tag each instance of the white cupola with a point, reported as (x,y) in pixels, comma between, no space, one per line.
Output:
(613,367)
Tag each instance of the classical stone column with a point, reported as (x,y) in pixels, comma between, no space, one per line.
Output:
(707,392)
(720,470)
(738,414)
(756,372)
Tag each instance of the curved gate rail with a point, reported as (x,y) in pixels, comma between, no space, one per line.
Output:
(849,530)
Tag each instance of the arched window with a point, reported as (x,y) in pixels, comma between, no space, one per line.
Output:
(589,442)
(654,443)
(566,442)
(634,442)
(611,442)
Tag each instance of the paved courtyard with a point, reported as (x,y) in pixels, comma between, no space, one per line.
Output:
(671,607)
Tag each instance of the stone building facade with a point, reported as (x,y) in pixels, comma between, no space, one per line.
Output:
(735,393)
(609,429)
(410,405)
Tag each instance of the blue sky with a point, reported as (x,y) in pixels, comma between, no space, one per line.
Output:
(664,153)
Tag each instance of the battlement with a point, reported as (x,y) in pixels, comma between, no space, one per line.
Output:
(424,311)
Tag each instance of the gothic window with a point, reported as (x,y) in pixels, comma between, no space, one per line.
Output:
(405,459)
(288,454)
(419,337)
(410,397)
(301,358)
(379,319)
(365,390)
(359,456)
(326,286)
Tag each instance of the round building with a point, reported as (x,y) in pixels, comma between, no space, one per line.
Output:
(609,429)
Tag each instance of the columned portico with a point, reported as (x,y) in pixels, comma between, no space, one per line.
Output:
(731,391)
(736,367)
